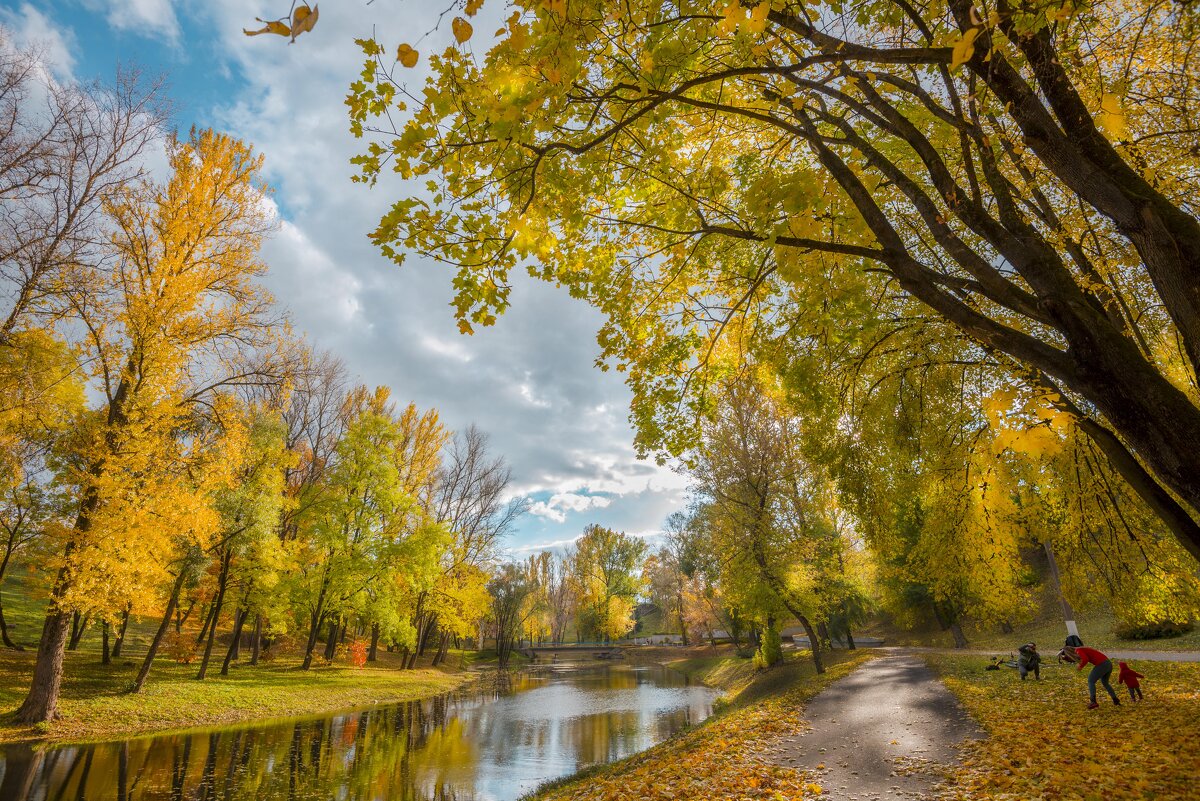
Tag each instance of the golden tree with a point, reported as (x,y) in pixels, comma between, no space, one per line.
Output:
(171,316)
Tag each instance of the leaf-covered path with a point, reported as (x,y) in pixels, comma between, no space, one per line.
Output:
(880,732)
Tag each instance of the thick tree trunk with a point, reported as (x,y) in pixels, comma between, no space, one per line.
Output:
(316,618)
(8,643)
(960,639)
(850,646)
(373,651)
(208,617)
(163,624)
(231,654)
(79,624)
(222,583)
(181,618)
(1068,612)
(105,656)
(818,662)
(256,640)
(314,628)
(683,634)
(331,640)
(42,702)
(441,652)
(119,641)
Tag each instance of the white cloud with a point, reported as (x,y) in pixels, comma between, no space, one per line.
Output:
(557,507)
(147,18)
(32,28)
(528,381)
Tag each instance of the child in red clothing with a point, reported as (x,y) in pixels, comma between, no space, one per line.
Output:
(1129,677)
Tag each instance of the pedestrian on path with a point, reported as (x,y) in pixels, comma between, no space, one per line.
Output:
(1129,677)
(1102,668)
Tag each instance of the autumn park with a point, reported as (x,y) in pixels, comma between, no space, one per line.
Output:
(569,399)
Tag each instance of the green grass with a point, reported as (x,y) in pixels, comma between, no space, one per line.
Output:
(95,704)
(727,671)
(1097,626)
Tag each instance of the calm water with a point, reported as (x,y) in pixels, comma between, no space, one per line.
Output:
(487,745)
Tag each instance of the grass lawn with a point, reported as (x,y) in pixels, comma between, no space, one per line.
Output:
(1044,743)
(94,704)
(726,756)
(1098,626)
(726,670)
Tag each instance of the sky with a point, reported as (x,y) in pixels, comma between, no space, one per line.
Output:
(529,382)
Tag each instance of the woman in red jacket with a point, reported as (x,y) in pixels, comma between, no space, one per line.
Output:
(1101,669)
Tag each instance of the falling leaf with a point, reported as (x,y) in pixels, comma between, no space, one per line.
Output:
(274,26)
(407,56)
(462,29)
(303,20)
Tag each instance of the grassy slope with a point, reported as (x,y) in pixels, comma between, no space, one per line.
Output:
(94,704)
(727,756)
(1097,626)
(1044,743)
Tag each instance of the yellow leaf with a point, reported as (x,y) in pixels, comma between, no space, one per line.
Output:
(303,20)
(1112,116)
(407,56)
(964,48)
(473,6)
(757,22)
(462,29)
(274,26)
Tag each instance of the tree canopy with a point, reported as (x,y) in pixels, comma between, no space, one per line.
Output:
(1020,176)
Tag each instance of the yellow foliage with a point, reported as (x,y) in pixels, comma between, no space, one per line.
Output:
(1044,743)
(727,758)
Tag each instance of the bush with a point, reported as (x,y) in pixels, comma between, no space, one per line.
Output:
(182,647)
(1153,631)
(357,653)
(769,651)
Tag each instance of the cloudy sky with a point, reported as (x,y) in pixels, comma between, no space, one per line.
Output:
(529,381)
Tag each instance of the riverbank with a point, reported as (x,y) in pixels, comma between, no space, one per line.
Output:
(727,756)
(95,705)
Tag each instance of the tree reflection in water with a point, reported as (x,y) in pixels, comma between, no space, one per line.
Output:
(487,745)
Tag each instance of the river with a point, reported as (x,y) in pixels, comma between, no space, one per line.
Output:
(477,744)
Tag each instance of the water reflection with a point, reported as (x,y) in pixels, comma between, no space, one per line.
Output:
(487,745)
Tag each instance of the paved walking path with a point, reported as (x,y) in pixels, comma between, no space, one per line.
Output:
(881,732)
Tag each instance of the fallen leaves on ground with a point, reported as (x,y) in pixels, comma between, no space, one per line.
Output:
(1044,743)
(730,756)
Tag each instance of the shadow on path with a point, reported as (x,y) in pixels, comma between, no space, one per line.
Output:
(881,732)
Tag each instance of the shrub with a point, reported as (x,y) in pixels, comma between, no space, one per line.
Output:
(357,653)
(1154,631)
(770,650)
(181,646)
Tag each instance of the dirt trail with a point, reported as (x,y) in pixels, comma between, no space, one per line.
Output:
(881,732)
